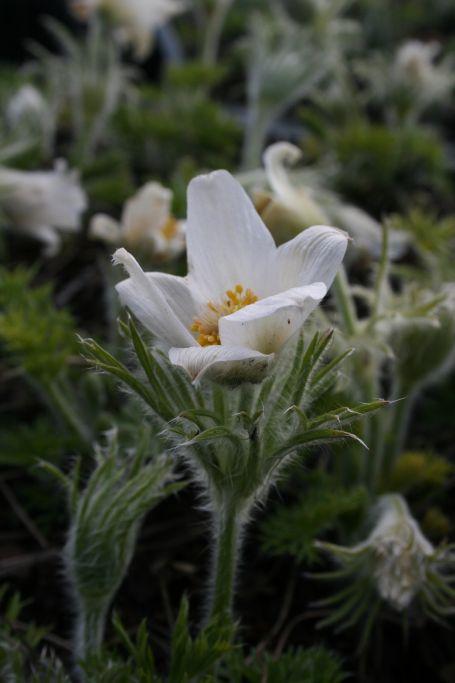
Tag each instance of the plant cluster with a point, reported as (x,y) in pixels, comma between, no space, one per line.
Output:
(227,335)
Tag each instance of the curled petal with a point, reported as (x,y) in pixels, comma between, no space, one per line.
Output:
(313,256)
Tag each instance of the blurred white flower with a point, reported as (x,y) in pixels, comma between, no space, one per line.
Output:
(401,562)
(27,103)
(136,19)
(414,67)
(243,297)
(146,223)
(304,207)
(400,553)
(40,203)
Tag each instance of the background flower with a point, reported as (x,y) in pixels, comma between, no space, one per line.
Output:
(40,203)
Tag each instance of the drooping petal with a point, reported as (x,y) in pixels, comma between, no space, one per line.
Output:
(146,300)
(227,241)
(266,325)
(313,256)
(221,363)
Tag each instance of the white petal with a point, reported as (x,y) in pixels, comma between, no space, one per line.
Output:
(148,303)
(266,325)
(103,227)
(313,256)
(227,241)
(178,295)
(146,212)
(221,363)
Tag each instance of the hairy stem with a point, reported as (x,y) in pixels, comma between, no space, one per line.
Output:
(344,302)
(227,542)
(214,31)
(257,126)
(398,428)
(89,632)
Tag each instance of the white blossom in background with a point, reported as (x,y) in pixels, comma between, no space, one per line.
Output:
(304,207)
(401,562)
(146,224)
(42,203)
(27,103)
(400,553)
(414,67)
(243,296)
(136,20)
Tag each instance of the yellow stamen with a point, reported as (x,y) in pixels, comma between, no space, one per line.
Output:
(206,327)
(169,229)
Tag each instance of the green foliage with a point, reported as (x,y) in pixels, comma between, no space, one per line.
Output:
(85,82)
(37,336)
(423,345)
(381,166)
(323,506)
(311,665)
(175,121)
(193,658)
(417,470)
(107,512)
(433,237)
(238,441)
(386,22)
(23,444)
(20,660)
(105,520)
(108,179)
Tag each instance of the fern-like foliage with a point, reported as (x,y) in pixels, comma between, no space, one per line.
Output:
(309,665)
(36,335)
(324,505)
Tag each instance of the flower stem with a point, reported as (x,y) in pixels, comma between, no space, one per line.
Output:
(227,541)
(257,126)
(345,303)
(399,422)
(89,632)
(213,32)
(380,290)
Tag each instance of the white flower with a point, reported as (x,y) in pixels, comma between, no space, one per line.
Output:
(39,203)
(136,19)
(303,203)
(414,67)
(401,553)
(243,297)
(147,223)
(26,103)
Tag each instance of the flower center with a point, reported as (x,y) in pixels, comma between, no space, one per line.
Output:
(169,229)
(206,327)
